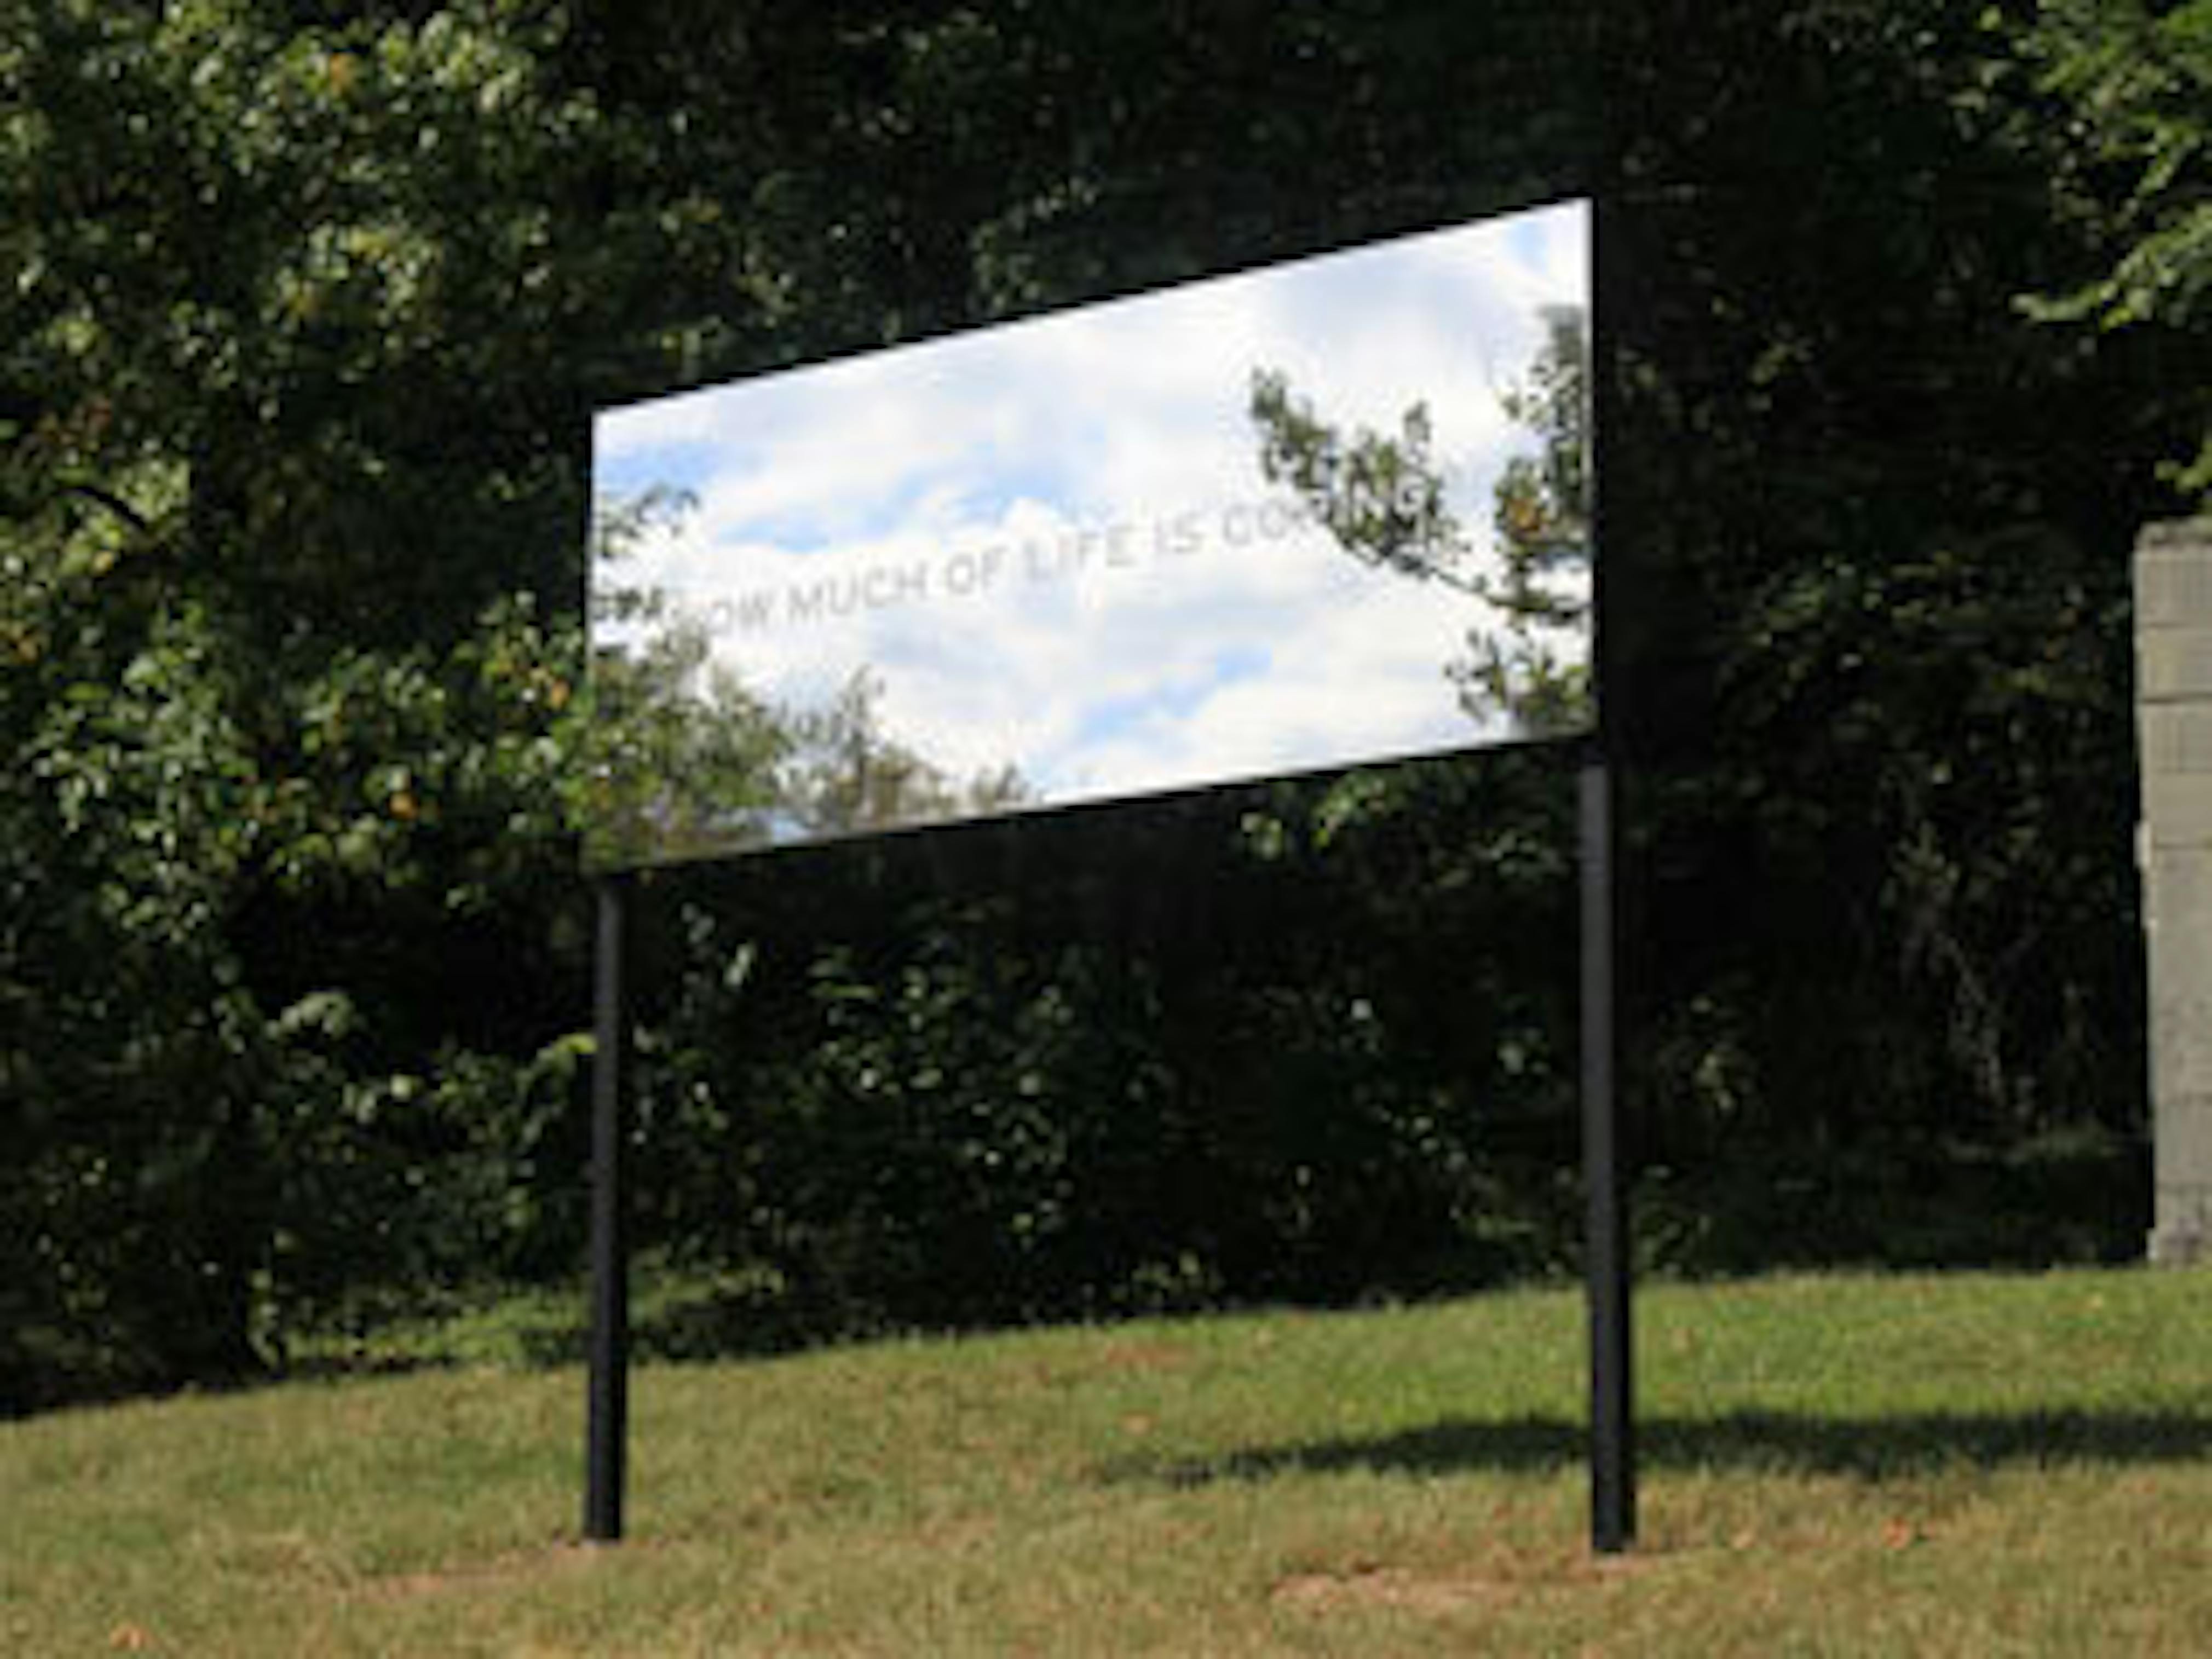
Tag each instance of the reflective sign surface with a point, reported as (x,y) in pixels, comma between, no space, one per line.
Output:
(1253,525)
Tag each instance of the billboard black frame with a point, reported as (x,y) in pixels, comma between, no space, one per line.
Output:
(1608,1278)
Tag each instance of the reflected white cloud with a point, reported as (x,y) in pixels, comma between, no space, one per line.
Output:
(1053,543)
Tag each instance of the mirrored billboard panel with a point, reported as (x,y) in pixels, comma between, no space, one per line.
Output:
(1324,512)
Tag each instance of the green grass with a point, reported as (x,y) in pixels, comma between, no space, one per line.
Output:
(1964,1465)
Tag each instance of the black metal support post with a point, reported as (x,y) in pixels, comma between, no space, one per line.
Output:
(1607,1242)
(607,1433)
(1612,1426)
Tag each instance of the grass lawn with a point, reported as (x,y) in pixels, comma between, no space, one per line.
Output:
(1960,1465)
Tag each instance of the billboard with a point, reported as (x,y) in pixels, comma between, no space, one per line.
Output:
(1253,525)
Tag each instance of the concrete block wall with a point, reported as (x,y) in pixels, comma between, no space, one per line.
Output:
(2173,693)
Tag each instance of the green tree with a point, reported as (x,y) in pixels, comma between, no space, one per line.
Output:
(288,699)
(306,305)
(1875,609)
(2137,79)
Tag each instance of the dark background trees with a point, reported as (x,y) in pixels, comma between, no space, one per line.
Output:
(306,308)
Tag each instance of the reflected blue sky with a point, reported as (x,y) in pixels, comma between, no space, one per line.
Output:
(939,514)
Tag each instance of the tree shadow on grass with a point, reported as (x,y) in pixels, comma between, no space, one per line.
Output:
(1872,1448)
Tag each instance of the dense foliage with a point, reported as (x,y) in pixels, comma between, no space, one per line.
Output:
(306,305)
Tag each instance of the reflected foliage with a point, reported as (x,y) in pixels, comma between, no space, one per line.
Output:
(675,758)
(846,776)
(1382,498)
(680,759)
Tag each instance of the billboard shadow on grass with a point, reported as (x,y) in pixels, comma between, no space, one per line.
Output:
(1873,1449)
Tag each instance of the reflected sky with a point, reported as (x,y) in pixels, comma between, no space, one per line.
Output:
(1052,542)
